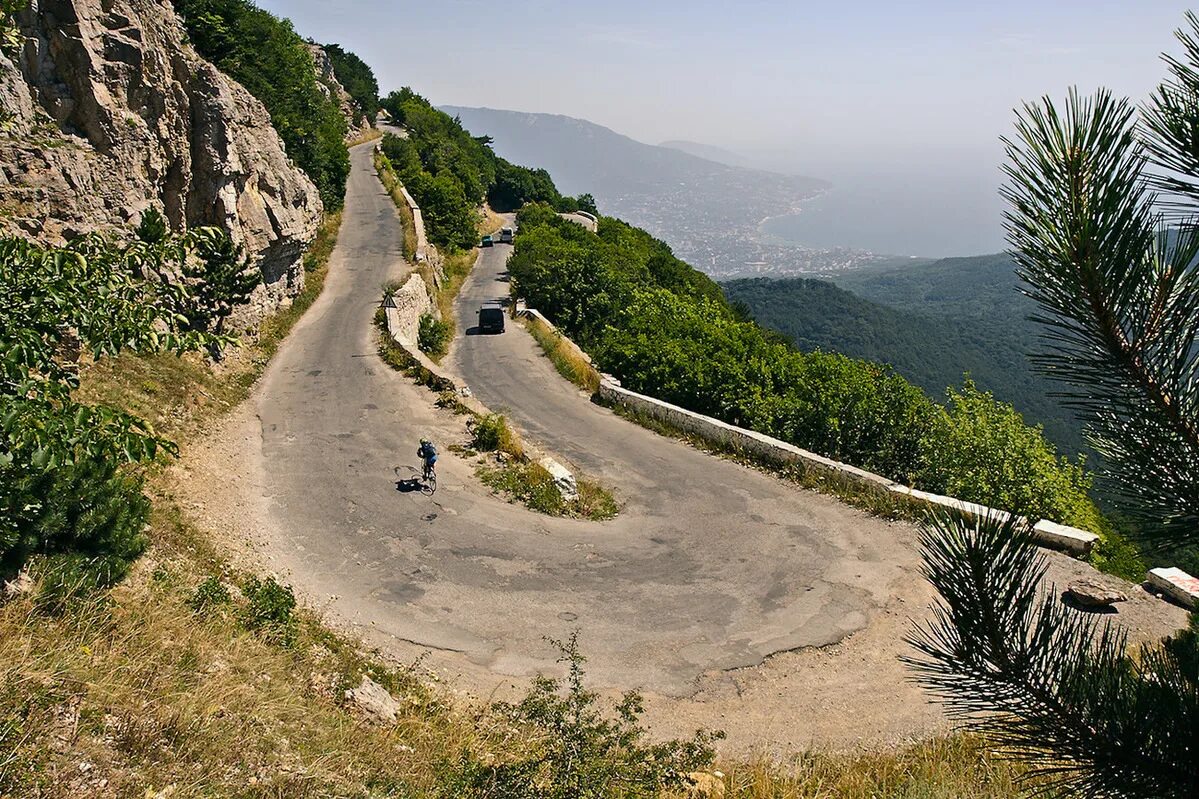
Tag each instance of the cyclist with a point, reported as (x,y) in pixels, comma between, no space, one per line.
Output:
(428,454)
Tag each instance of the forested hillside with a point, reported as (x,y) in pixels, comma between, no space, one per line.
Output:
(451,172)
(932,323)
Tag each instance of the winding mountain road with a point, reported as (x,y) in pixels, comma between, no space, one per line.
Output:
(710,566)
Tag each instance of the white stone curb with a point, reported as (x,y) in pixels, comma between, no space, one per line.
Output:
(1176,584)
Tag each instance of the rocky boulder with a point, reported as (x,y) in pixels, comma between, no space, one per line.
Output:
(108,111)
(1090,593)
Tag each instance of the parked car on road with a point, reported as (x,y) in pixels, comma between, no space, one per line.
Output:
(506,235)
(487,242)
(491,318)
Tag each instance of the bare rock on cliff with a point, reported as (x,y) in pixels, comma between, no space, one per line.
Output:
(356,123)
(109,111)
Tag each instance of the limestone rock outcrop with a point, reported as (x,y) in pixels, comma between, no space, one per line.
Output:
(356,123)
(108,111)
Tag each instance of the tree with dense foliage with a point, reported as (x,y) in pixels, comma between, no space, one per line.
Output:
(1119,298)
(266,55)
(60,492)
(357,78)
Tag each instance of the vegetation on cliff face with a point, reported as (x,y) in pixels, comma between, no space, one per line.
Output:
(357,78)
(667,330)
(450,172)
(266,55)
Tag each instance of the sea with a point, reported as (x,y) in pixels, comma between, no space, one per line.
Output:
(900,213)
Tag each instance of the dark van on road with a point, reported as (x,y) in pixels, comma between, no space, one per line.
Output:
(506,235)
(491,319)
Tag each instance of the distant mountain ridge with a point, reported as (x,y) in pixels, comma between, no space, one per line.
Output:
(584,156)
(706,151)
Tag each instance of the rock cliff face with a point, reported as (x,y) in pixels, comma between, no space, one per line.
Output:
(107,111)
(356,124)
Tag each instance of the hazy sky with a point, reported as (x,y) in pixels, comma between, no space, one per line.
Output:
(833,77)
(836,89)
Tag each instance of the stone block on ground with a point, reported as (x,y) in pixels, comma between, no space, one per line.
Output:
(1090,593)
(564,481)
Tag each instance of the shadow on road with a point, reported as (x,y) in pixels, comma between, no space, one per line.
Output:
(409,485)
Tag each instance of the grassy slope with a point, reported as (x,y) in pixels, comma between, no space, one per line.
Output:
(133,693)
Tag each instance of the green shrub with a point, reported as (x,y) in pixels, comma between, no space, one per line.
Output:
(579,751)
(209,594)
(433,335)
(492,433)
(980,450)
(269,610)
(85,520)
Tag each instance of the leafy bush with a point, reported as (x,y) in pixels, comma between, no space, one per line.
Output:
(209,594)
(981,451)
(580,751)
(90,516)
(266,55)
(269,610)
(492,433)
(433,335)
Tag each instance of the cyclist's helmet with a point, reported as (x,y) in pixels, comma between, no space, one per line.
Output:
(424,441)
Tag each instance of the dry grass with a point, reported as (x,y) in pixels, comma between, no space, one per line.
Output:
(136,691)
(370,134)
(490,221)
(945,768)
(567,358)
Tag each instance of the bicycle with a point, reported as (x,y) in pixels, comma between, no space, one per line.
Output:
(427,480)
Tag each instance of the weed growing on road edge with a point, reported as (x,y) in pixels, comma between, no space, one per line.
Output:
(433,336)
(492,433)
(564,355)
(530,484)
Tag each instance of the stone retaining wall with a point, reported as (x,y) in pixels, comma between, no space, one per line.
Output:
(411,301)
